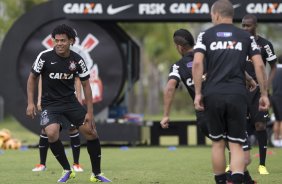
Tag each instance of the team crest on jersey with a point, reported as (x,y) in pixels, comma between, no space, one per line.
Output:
(72,66)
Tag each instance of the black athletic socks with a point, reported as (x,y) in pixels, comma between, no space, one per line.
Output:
(58,151)
(247,178)
(75,146)
(262,141)
(43,148)
(220,179)
(237,178)
(94,150)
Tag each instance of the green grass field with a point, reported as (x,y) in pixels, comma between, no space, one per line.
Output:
(136,165)
(149,165)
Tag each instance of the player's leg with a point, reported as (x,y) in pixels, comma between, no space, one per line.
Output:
(50,122)
(236,111)
(280,133)
(277,127)
(214,111)
(247,159)
(75,146)
(43,150)
(262,142)
(218,161)
(77,114)
(259,119)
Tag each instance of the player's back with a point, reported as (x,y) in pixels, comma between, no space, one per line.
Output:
(226,50)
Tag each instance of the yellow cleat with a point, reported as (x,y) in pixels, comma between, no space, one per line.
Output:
(262,170)
(227,168)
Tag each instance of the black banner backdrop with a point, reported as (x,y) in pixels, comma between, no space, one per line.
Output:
(98,18)
(164,10)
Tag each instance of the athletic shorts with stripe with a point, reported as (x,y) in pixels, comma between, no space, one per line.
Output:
(226,115)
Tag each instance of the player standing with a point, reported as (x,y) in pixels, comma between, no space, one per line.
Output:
(225,48)
(58,67)
(259,118)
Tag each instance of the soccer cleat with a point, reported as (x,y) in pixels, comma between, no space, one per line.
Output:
(77,168)
(227,168)
(99,178)
(66,175)
(262,170)
(39,167)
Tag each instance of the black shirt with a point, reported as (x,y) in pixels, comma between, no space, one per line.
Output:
(267,54)
(276,83)
(58,75)
(226,48)
(182,71)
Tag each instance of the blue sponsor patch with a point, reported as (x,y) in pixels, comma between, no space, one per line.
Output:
(223,34)
(190,64)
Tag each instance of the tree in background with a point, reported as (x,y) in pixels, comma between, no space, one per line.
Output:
(11,10)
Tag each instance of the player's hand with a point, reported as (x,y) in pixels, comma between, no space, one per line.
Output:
(31,111)
(89,119)
(165,122)
(264,103)
(198,103)
(251,85)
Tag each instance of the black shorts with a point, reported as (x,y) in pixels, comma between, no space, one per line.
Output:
(227,117)
(247,145)
(277,106)
(66,124)
(202,122)
(253,108)
(55,113)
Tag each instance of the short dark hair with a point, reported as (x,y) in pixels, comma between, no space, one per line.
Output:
(64,29)
(224,8)
(183,37)
(252,17)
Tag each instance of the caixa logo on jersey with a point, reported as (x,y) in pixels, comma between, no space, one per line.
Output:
(83,49)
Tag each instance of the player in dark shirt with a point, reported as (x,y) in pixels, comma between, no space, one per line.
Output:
(181,71)
(72,131)
(225,48)
(58,67)
(258,119)
(277,104)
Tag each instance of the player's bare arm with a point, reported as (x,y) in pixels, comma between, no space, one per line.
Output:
(39,94)
(262,80)
(197,72)
(169,93)
(250,82)
(88,101)
(31,110)
(77,86)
